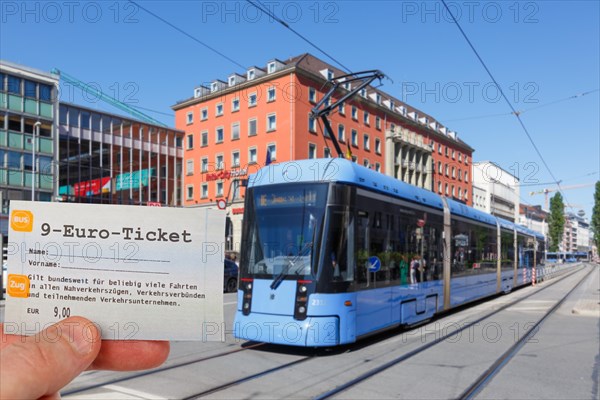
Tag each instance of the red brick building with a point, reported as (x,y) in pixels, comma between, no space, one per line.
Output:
(231,125)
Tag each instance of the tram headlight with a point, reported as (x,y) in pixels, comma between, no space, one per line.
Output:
(247,295)
(301,304)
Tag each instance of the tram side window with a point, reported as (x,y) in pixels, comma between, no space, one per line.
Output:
(539,254)
(397,235)
(507,249)
(339,262)
(525,249)
(473,248)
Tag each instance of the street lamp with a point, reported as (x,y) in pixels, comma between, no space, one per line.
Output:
(36,133)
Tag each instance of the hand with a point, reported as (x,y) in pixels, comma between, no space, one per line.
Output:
(39,366)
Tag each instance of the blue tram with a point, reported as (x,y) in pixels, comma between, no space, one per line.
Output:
(333,252)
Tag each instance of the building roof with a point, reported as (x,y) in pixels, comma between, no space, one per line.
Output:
(312,66)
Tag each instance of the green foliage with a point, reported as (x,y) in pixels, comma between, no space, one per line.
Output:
(556,221)
(596,216)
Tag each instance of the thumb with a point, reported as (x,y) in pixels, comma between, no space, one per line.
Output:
(41,365)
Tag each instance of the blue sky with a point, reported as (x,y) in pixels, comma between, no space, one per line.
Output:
(540,52)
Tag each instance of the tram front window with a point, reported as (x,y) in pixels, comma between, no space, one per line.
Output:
(284,225)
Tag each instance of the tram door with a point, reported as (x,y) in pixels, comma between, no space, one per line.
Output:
(372,299)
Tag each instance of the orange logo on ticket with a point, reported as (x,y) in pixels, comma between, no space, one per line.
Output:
(21,220)
(18,285)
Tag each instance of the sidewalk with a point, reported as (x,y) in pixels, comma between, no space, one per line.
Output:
(589,301)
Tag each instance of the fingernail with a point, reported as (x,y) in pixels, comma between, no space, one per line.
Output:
(81,339)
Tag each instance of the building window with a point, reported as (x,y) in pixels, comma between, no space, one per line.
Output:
(440,170)
(271,67)
(354,113)
(189,192)
(326,152)
(447,169)
(252,100)
(30,89)
(312,95)
(204,190)
(190,118)
(219,109)
(204,164)
(446,189)
(204,138)
(466,176)
(377,98)
(377,167)
(366,142)
(378,123)
(453,191)
(235,131)
(453,154)
(272,150)
(341,133)
(251,74)
(219,161)
(366,163)
(439,187)
(235,159)
(219,135)
(252,127)
(460,193)
(219,189)
(204,114)
(466,160)
(271,122)
(446,151)
(252,155)
(342,109)
(271,94)
(45,92)
(460,174)
(460,157)
(453,172)
(190,141)
(312,150)
(363,92)
(14,85)
(312,124)
(439,148)
(189,167)
(366,118)
(354,138)
(377,146)
(235,105)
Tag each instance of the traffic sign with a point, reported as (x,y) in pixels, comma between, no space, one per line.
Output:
(221,204)
(374,264)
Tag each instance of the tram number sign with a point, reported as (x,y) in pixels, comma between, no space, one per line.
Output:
(374,264)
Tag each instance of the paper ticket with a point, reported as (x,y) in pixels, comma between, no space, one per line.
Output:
(148,273)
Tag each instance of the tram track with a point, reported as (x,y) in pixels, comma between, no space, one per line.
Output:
(248,378)
(158,370)
(484,378)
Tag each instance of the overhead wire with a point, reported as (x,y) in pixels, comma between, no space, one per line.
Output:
(263,9)
(525,110)
(514,111)
(195,39)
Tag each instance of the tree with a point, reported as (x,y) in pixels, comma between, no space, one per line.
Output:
(556,221)
(596,216)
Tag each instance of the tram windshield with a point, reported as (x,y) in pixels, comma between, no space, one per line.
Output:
(282,230)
